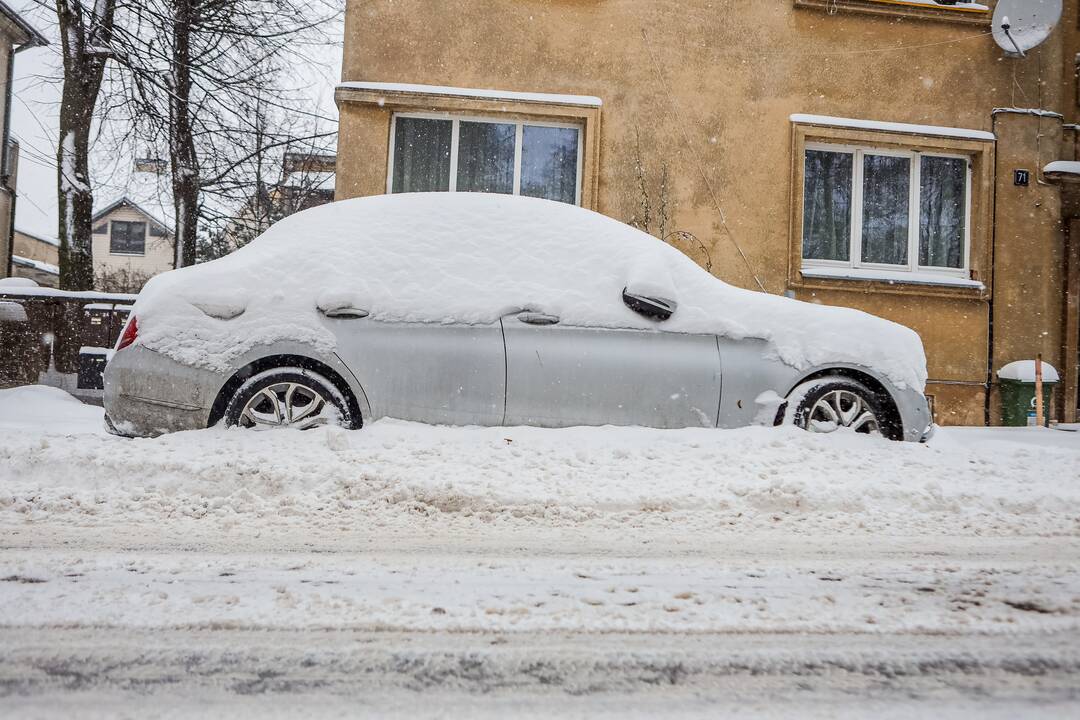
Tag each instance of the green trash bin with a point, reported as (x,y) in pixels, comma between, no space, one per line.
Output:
(1017,383)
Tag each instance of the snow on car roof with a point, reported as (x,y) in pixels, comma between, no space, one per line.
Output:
(473,258)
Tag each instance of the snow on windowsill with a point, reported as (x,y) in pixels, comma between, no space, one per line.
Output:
(908,128)
(961,6)
(406,88)
(900,278)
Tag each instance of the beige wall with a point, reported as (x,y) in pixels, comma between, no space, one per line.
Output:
(707,89)
(159,250)
(34,248)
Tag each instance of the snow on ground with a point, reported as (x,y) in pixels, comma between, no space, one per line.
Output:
(407,476)
(404,565)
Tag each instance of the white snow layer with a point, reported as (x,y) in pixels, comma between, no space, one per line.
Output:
(474,258)
(551,98)
(59,468)
(1062,167)
(908,128)
(1024,371)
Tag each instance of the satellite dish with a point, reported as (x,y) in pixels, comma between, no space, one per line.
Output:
(1021,25)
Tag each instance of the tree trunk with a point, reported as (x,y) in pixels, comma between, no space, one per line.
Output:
(80,30)
(184,161)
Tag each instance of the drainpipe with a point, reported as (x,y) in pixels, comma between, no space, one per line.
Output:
(993,284)
(5,158)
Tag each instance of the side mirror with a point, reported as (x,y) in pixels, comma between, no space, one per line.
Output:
(650,307)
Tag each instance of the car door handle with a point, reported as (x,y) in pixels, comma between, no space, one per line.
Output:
(345,313)
(537,318)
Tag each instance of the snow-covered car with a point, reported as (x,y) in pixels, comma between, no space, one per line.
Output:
(482,309)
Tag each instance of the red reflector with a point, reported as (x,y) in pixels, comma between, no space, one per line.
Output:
(131,331)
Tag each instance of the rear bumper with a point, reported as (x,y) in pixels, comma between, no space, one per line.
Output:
(915,416)
(148,394)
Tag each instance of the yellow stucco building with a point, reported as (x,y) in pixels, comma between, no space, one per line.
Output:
(881,154)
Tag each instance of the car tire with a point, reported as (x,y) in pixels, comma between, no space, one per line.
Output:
(827,404)
(288,397)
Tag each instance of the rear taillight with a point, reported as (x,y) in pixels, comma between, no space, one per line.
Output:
(131,331)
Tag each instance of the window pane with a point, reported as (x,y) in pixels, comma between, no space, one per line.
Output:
(421,155)
(886,194)
(827,205)
(137,237)
(942,212)
(549,163)
(118,239)
(486,157)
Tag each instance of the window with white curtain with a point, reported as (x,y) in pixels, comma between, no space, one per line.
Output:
(433,153)
(872,210)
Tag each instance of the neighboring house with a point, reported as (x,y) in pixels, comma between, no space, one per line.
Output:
(880,154)
(130,246)
(15,35)
(36,257)
(306,181)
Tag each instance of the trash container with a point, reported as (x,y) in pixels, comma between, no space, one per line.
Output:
(1017,383)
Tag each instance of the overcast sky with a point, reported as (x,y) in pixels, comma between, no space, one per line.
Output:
(35,111)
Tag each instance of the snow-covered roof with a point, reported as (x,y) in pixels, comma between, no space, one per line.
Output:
(1024,371)
(472,259)
(125,200)
(896,127)
(36,265)
(407,88)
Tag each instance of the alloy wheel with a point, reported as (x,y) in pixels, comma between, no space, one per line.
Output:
(285,404)
(842,409)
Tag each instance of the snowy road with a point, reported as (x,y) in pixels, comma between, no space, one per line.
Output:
(406,570)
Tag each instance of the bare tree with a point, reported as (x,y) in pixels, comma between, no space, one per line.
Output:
(197,75)
(86,32)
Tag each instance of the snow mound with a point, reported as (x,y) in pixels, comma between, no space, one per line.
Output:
(473,258)
(47,408)
(17,282)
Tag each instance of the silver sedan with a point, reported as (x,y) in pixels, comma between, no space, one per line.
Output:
(529,366)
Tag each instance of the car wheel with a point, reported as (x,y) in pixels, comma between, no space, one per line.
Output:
(827,404)
(288,398)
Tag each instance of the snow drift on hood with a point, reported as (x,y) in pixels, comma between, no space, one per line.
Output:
(473,258)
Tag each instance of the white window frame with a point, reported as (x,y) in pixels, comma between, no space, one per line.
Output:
(854,266)
(454,139)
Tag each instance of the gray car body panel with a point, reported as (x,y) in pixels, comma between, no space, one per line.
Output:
(507,373)
(560,376)
(148,393)
(443,374)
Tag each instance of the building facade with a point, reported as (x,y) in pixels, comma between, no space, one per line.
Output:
(880,154)
(36,257)
(15,35)
(130,246)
